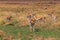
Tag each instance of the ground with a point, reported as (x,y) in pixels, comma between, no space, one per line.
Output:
(19,27)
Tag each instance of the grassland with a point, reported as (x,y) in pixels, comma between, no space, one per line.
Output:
(20,24)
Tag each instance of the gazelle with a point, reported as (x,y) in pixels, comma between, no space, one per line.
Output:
(8,18)
(33,20)
(42,19)
(53,17)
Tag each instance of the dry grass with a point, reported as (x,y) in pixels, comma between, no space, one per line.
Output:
(19,15)
(2,33)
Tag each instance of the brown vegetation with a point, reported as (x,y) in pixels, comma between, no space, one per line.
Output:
(2,33)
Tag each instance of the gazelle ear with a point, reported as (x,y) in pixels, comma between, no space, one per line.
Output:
(29,16)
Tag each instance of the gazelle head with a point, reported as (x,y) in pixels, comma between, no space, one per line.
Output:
(31,16)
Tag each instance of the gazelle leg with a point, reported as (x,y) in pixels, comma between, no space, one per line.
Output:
(55,19)
(32,27)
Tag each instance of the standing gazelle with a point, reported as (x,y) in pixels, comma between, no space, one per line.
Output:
(8,18)
(33,20)
(53,17)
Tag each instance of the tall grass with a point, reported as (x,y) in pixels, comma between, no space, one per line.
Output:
(45,30)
